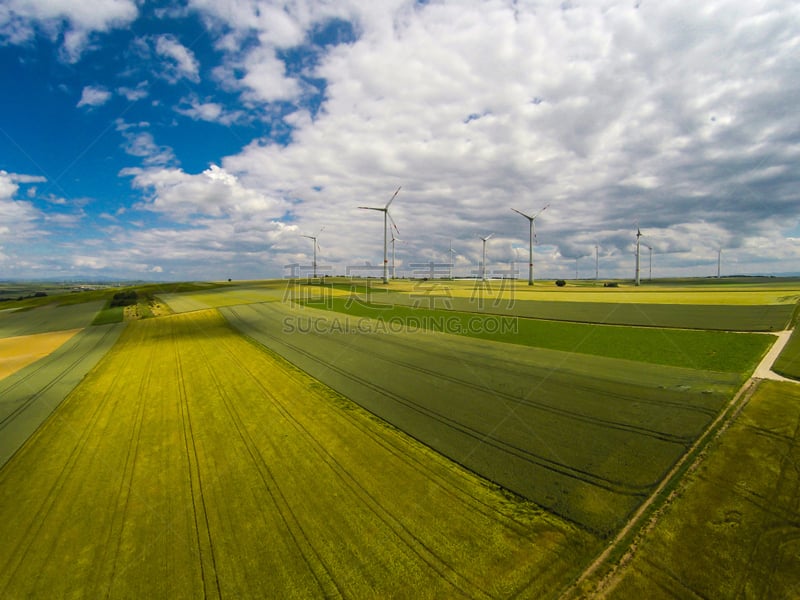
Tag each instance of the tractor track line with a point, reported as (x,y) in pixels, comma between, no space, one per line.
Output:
(205,545)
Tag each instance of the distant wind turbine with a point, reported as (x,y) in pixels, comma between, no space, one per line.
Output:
(450,253)
(394,239)
(638,235)
(316,246)
(483,262)
(531,236)
(386,215)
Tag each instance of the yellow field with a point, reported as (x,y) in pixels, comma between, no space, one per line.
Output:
(18,352)
(546,290)
(190,463)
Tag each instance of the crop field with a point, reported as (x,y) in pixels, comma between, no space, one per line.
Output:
(28,396)
(192,463)
(707,350)
(19,352)
(485,299)
(585,437)
(734,529)
(49,318)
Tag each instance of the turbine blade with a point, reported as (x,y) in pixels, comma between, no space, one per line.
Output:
(392,198)
(388,214)
(541,211)
(490,235)
(519,212)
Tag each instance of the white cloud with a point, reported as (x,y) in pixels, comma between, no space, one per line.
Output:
(18,218)
(213,112)
(142,144)
(94,96)
(20,19)
(180,62)
(134,94)
(212,193)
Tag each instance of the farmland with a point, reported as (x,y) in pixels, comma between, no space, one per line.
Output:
(511,414)
(425,439)
(165,472)
(736,517)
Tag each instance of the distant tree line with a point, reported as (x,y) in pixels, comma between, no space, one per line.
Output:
(18,298)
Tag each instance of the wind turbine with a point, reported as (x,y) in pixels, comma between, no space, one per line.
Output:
(386,215)
(719,262)
(450,253)
(532,236)
(596,263)
(638,235)
(394,239)
(316,245)
(483,263)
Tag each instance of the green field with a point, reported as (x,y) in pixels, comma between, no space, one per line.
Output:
(706,350)
(585,437)
(725,317)
(733,531)
(51,317)
(191,463)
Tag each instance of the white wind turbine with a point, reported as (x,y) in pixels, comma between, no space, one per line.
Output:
(450,260)
(394,239)
(638,235)
(483,261)
(313,238)
(532,236)
(386,215)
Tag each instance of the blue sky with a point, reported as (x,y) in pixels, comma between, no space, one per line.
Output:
(202,140)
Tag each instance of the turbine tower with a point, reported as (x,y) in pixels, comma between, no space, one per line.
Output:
(483,262)
(531,236)
(650,275)
(394,239)
(313,238)
(719,263)
(386,215)
(596,263)
(638,235)
(450,252)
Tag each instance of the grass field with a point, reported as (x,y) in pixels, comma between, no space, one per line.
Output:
(586,437)
(167,473)
(734,529)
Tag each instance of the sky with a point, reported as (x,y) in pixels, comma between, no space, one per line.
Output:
(202,140)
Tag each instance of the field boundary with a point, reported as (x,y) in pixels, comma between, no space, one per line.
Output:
(638,524)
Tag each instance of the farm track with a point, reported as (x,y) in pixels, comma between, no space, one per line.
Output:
(486,438)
